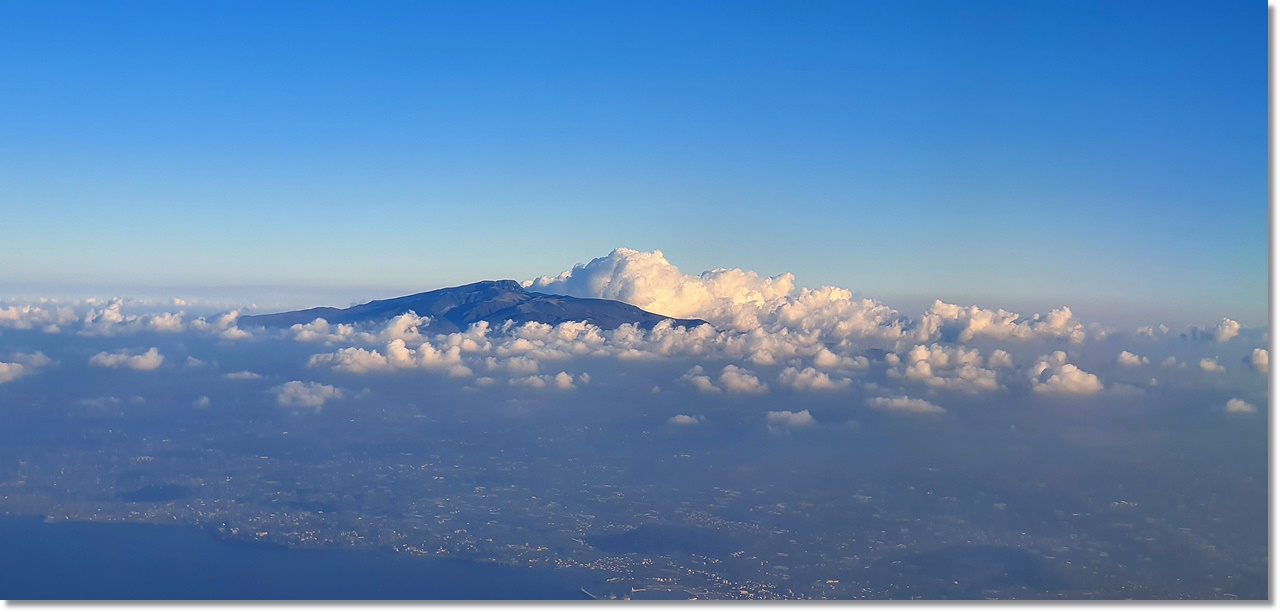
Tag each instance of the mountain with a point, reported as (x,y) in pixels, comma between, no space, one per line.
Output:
(456,308)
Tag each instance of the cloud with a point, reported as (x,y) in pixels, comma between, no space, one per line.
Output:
(738,380)
(999,358)
(684,419)
(730,299)
(903,403)
(810,378)
(22,364)
(1170,362)
(243,375)
(1131,360)
(699,380)
(28,316)
(945,320)
(1151,332)
(1260,360)
(296,393)
(201,402)
(149,360)
(1239,406)
(1052,374)
(398,356)
(1226,330)
(945,367)
(787,418)
(1210,364)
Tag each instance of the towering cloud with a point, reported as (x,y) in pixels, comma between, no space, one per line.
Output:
(1226,330)
(728,298)
(1260,360)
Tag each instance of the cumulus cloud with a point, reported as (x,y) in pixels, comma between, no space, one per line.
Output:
(1260,360)
(944,367)
(201,402)
(738,380)
(1210,364)
(810,378)
(1239,406)
(1131,360)
(999,358)
(684,419)
(1226,330)
(1170,362)
(22,364)
(243,375)
(730,299)
(903,403)
(1152,331)
(787,418)
(945,320)
(149,360)
(298,394)
(397,356)
(700,381)
(1052,374)
(29,316)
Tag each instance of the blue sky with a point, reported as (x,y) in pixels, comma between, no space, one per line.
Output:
(1107,156)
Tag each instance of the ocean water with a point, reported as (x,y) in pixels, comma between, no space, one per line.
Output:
(81,561)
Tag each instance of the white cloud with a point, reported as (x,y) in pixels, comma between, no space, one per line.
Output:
(1151,332)
(788,418)
(684,419)
(905,404)
(730,299)
(1052,374)
(398,356)
(945,367)
(1226,330)
(29,316)
(1210,364)
(945,319)
(738,380)
(201,402)
(999,359)
(564,380)
(699,380)
(536,382)
(243,375)
(149,360)
(1170,362)
(809,378)
(1260,360)
(1131,360)
(296,393)
(22,364)
(1239,406)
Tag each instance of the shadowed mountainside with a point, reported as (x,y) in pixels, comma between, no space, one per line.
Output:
(456,308)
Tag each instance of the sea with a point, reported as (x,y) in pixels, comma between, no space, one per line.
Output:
(131,561)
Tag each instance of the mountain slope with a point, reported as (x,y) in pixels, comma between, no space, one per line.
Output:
(456,308)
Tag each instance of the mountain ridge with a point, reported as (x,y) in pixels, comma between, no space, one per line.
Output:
(454,309)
